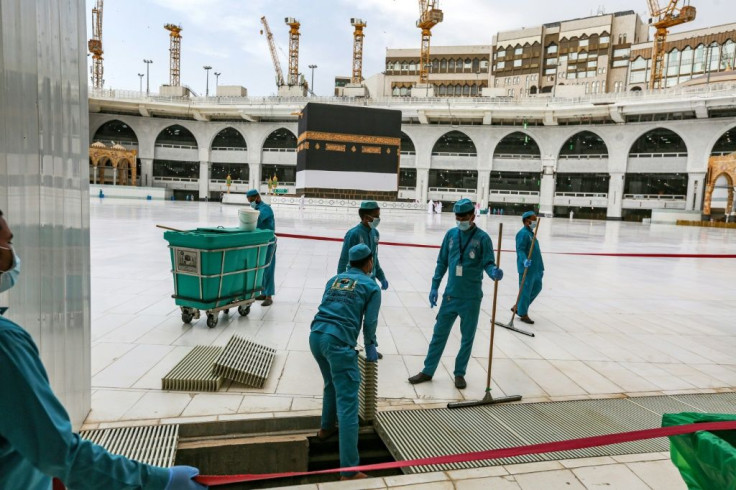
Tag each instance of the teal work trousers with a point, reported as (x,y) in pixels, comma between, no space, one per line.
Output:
(450,309)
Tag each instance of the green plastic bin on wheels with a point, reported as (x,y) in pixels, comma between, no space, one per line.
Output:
(217,267)
(706,460)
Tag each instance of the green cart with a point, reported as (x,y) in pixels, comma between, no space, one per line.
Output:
(216,269)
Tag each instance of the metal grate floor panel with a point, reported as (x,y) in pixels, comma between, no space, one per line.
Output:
(153,444)
(410,434)
(194,371)
(245,361)
(368,391)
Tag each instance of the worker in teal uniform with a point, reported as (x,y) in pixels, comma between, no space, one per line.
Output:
(365,232)
(36,438)
(266,221)
(467,251)
(534,266)
(351,298)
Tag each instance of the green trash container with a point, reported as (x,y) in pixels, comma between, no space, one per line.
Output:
(216,269)
(706,460)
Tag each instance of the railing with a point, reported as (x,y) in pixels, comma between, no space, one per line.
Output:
(175,179)
(280,184)
(516,156)
(452,189)
(592,156)
(167,145)
(229,148)
(224,181)
(514,193)
(658,155)
(452,154)
(280,150)
(407,188)
(657,197)
(581,194)
(403,152)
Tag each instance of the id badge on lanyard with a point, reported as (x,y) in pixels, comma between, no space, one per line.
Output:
(459,267)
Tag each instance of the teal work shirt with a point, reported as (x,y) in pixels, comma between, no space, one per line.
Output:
(350,299)
(476,257)
(266,220)
(36,438)
(354,236)
(523,243)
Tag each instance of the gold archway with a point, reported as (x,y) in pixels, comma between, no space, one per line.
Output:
(121,159)
(719,166)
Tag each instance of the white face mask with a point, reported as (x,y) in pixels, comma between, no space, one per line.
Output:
(10,277)
(374,224)
(254,204)
(463,225)
(533,225)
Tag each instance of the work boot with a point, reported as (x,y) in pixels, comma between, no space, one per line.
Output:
(325,434)
(358,476)
(267,302)
(420,378)
(380,356)
(460,382)
(260,297)
(526,319)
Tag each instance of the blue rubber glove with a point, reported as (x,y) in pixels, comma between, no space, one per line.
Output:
(180,478)
(433,298)
(384,284)
(371,354)
(496,273)
(527,263)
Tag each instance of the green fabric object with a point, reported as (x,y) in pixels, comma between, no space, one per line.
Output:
(706,460)
(463,206)
(369,205)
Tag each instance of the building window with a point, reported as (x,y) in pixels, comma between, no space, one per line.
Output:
(620,63)
(466,90)
(699,60)
(404,91)
(443,65)
(583,43)
(518,51)
(468,64)
(552,49)
(484,65)
(517,63)
(500,65)
(550,71)
(501,53)
(395,92)
(727,60)
(476,65)
(474,90)
(604,40)
(673,63)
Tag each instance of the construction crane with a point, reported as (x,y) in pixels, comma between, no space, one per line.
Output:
(274,55)
(662,19)
(292,77)
(95,46)
(358,24)
(429,16)
(174,54)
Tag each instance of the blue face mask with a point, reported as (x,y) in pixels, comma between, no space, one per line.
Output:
(533,225)
(374,224)
(463,225)
(10,277)
(254,204)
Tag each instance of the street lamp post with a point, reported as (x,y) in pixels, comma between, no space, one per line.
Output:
(207,69)
(217,80)
(140,83)
(148,79)
(311,84)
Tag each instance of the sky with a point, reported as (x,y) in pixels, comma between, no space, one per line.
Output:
(225,34)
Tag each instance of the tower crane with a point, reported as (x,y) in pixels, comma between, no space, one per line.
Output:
(174,54)
(429,16)
(95,45)
(292,77)
(358,24)
(662,19)
(274,55)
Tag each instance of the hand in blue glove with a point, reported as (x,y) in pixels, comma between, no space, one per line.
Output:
(433,298)
(180,478)
(371,354)
(527,263)
(384,284)
(496,274)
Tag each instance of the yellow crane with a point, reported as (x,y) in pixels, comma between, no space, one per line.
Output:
(274,55)
(429,16)
(95,45)
(662,19)
(292,76)
(174,54)
(359,25)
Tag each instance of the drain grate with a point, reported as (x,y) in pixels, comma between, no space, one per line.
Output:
(245,361)
(194,371)
(368,392)
(411,434)
(153,444)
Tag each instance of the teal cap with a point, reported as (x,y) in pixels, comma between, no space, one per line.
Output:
(463,206)
(359,252)
(251,193)
(528,214)
(369,205)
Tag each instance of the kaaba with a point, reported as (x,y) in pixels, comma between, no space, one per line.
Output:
(348,152)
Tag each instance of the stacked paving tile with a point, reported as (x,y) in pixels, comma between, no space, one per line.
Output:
(206,367)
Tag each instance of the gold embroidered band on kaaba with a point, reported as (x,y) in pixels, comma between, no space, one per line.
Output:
(348,138)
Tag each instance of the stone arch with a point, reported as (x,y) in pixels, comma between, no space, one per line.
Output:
(176,134)
(584,142)
(229,137)
(517,143)
(454,142)
(658,140)
(115,131)
(720,166)
(406,143)
(725,144)
(280,138)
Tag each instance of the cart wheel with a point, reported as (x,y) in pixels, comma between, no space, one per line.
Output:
(244,310)
(211,320)
(187,315)
(226,311)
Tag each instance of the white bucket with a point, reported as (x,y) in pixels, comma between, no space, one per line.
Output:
(247,218)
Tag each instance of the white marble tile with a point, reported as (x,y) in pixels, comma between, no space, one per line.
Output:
(256,403)
(111,405)
(156,405)
(549,480)
(130,367)
(104,354)
(659,475)
(495,483)
(213,404)
(609,476)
